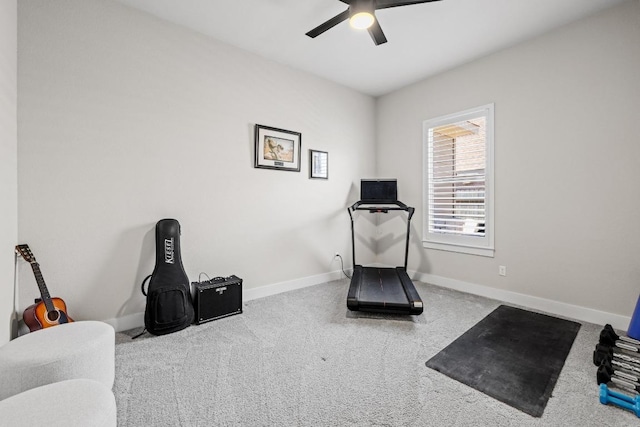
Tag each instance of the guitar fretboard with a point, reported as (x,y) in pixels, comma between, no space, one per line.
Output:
(44,292)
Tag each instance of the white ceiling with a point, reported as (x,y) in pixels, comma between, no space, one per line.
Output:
(424,39)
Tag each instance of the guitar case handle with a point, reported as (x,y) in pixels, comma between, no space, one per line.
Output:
(142,286)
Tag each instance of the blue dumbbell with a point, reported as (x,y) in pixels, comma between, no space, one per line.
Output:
(619,399)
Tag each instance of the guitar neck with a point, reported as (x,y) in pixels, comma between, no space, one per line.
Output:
(44,292)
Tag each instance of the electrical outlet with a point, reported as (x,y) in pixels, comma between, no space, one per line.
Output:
(502,270)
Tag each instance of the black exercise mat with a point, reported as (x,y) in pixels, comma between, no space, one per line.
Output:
(512,355)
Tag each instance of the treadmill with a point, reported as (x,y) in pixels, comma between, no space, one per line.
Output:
(374,289)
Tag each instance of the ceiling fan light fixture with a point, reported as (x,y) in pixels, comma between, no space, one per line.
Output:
(361,20)
(362,15)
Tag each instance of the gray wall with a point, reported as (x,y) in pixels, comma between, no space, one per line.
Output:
(8,162)
(125,119)
(567,164)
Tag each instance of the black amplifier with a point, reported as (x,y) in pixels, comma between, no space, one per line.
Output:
(217,298)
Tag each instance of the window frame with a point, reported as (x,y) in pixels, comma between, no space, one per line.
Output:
(474,245)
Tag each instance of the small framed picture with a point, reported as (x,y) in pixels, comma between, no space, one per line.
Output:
(277,149)
(318,164)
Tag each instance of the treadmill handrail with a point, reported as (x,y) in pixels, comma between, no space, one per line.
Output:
(384,208)
(369,205)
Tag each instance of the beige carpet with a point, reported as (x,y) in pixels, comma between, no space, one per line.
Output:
(302,359)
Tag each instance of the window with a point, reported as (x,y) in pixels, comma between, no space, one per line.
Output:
(458,182)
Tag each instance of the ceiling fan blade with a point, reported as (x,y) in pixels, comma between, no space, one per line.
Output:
(375,31)
(329,24)
(385,4)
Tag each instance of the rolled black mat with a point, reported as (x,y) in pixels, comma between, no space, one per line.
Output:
(512,355)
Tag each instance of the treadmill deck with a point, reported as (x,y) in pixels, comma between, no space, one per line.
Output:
(383,290)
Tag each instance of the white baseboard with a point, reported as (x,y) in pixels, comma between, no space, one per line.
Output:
(290,285)
(124,323)
(549,306)
(584,314)
(136,320)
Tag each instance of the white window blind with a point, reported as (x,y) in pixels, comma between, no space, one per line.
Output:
(458,172)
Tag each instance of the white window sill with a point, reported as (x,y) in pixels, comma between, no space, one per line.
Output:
(463,249)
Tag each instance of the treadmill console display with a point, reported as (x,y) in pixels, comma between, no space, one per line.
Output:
(378,190)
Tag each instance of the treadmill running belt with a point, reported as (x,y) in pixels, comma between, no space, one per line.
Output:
(381,285)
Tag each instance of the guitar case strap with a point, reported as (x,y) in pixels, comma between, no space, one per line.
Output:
(169,307)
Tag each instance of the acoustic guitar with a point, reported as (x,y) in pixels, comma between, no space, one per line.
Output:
(48,311)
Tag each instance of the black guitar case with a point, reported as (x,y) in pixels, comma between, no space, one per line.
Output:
(169,306)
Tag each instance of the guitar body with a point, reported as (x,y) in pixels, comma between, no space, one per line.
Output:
(37,317)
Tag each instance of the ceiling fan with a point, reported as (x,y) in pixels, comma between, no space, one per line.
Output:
(361,15)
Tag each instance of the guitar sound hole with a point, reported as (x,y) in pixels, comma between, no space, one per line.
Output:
(53,316)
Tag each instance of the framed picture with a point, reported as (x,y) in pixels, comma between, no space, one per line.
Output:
(277,149)
(318,164)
